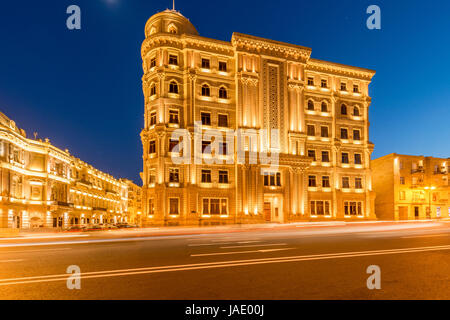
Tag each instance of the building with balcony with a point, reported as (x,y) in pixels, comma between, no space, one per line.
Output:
(42,186)
(411,187)
(271,98)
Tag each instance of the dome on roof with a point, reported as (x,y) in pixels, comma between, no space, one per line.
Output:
(169,21)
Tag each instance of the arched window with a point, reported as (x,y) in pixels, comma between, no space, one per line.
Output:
(173,87)
(310,105)
(223,93)
(206,91)
(152,89)
(356,111)
(172,29)
(343,109)
(324,107)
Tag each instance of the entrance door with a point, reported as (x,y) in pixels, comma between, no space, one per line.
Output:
(268,211)
(416,213)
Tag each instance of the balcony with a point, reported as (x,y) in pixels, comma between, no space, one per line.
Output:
(99,209)
(64,204)
(418,170)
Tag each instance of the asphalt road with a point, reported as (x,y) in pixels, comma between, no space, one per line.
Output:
(295,262)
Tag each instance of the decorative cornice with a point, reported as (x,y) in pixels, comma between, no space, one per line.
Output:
(339,69)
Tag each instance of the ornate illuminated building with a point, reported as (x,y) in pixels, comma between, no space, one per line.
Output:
(411,187)
(320,109)
(44,186)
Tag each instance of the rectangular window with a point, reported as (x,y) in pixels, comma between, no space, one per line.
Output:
(312,181)
(172,144)
(402,195)
(311,130)
(223,120)
(324,132)
(320,208)
(326,182)
(206,118)
(344,133)
(173,60)
(223,177)
(173,206)
(312,154)
(205,206)
(272,179)
(206,176)
(222,66)
(174,175)
(173,117)
(343,86)
(152,63)
(358,159)
(353,208)
(402,180)
(152,147)
(345,183)
(355,88)
(205,145)
(325,156)
(358,183)
(345,157)
(152,118)
(356,135)
(223,148)
(205,64)
(323,83)
(310,81)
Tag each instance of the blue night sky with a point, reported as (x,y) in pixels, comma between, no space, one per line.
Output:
(82,89)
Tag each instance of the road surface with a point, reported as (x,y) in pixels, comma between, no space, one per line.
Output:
(321,261)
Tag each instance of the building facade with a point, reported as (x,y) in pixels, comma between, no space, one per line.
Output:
(411,187)
(134,213)
(251,88)
(45,187)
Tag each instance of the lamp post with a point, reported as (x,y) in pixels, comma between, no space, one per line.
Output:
(429,199)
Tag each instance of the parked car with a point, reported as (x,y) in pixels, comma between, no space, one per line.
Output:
(76,228)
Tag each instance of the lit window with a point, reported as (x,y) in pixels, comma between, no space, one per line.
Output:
(174,175)
(151,207)
(353,208)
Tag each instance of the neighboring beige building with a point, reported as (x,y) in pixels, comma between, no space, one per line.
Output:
(407,187)
(320,108)
(134,202)
(43,186)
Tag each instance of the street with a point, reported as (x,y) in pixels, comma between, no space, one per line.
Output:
(300,261)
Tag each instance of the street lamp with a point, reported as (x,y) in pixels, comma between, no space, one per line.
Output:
(429,199)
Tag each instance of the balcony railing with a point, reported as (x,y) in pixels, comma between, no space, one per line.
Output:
(418,170)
